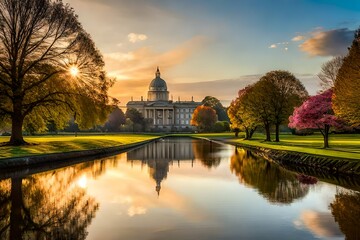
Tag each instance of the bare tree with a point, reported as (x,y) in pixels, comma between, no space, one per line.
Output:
(329,72)
(49,66)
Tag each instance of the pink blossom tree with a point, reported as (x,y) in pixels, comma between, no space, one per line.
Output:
(316,113)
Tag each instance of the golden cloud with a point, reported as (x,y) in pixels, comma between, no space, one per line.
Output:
(134,37)
(321,224)
(134,70)
(328,43)
(298,38)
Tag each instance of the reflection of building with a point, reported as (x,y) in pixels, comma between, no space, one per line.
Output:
(164,113)
(159,155)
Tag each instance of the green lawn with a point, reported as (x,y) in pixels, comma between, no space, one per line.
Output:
(59,143)
(341,145)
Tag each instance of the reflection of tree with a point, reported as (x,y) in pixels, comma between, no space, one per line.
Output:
(206,152)
(48,205)
(346,211)
(275,184)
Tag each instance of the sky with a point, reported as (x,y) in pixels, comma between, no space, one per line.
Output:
(215,47)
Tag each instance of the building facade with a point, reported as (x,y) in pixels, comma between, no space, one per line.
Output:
(165,114)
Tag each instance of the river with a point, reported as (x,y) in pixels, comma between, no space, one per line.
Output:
(176,188)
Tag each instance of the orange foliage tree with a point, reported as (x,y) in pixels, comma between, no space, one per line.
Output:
(346,87)
(204,118)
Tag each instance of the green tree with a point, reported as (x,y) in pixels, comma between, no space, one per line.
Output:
(346,88)
(49,66)
(279,92)
(115,120)
(221,126)
(204,118)
(136,118)
(215,103)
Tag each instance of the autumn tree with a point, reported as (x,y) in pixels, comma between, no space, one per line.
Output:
(50,68)
(346,88)
(241,113)
(276,95)
(204,118)
(346,211)
(329,72)
(316,113)
(277,185)
(258,108)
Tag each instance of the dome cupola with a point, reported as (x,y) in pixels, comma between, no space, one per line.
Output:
(158,84)
(158,88)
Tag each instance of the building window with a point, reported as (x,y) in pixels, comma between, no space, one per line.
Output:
(187,122)
(181,115)
(186,110)
(182,121)
(177,121)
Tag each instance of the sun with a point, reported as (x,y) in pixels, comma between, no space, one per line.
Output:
(74,71)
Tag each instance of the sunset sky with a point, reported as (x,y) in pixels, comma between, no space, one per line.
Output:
(215,47)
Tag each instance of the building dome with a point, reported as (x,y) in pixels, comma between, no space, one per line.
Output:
(158,89)
(158,84)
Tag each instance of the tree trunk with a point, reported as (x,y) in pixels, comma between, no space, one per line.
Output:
(16,220)
(16,130)
(326,136)
(236,133)
(277,132)
(247,134)
(267,130)
(252,131)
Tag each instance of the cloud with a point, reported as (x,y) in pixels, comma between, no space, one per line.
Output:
(134,37)
(298,38)
(273,46)
(276,45)
(135,69)
(321,224)
(224,89)
(328,43)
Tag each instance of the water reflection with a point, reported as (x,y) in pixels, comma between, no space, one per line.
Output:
(48,205)
(346,211)
(114,198)
(275,184)
(159,155)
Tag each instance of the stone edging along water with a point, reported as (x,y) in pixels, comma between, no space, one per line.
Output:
(289,159)
(28,161)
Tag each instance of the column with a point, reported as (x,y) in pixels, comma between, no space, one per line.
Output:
(154,116)
(163,117)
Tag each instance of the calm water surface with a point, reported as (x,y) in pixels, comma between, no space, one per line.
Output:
(175,189)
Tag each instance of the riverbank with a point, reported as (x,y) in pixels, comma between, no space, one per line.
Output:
(64,143)
(303,151)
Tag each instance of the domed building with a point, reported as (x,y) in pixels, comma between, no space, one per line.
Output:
(158,89)
(165,114)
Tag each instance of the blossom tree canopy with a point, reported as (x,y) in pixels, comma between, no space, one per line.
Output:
(316,113)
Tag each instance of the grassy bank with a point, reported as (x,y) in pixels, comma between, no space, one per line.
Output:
(56,143)
(341,145)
